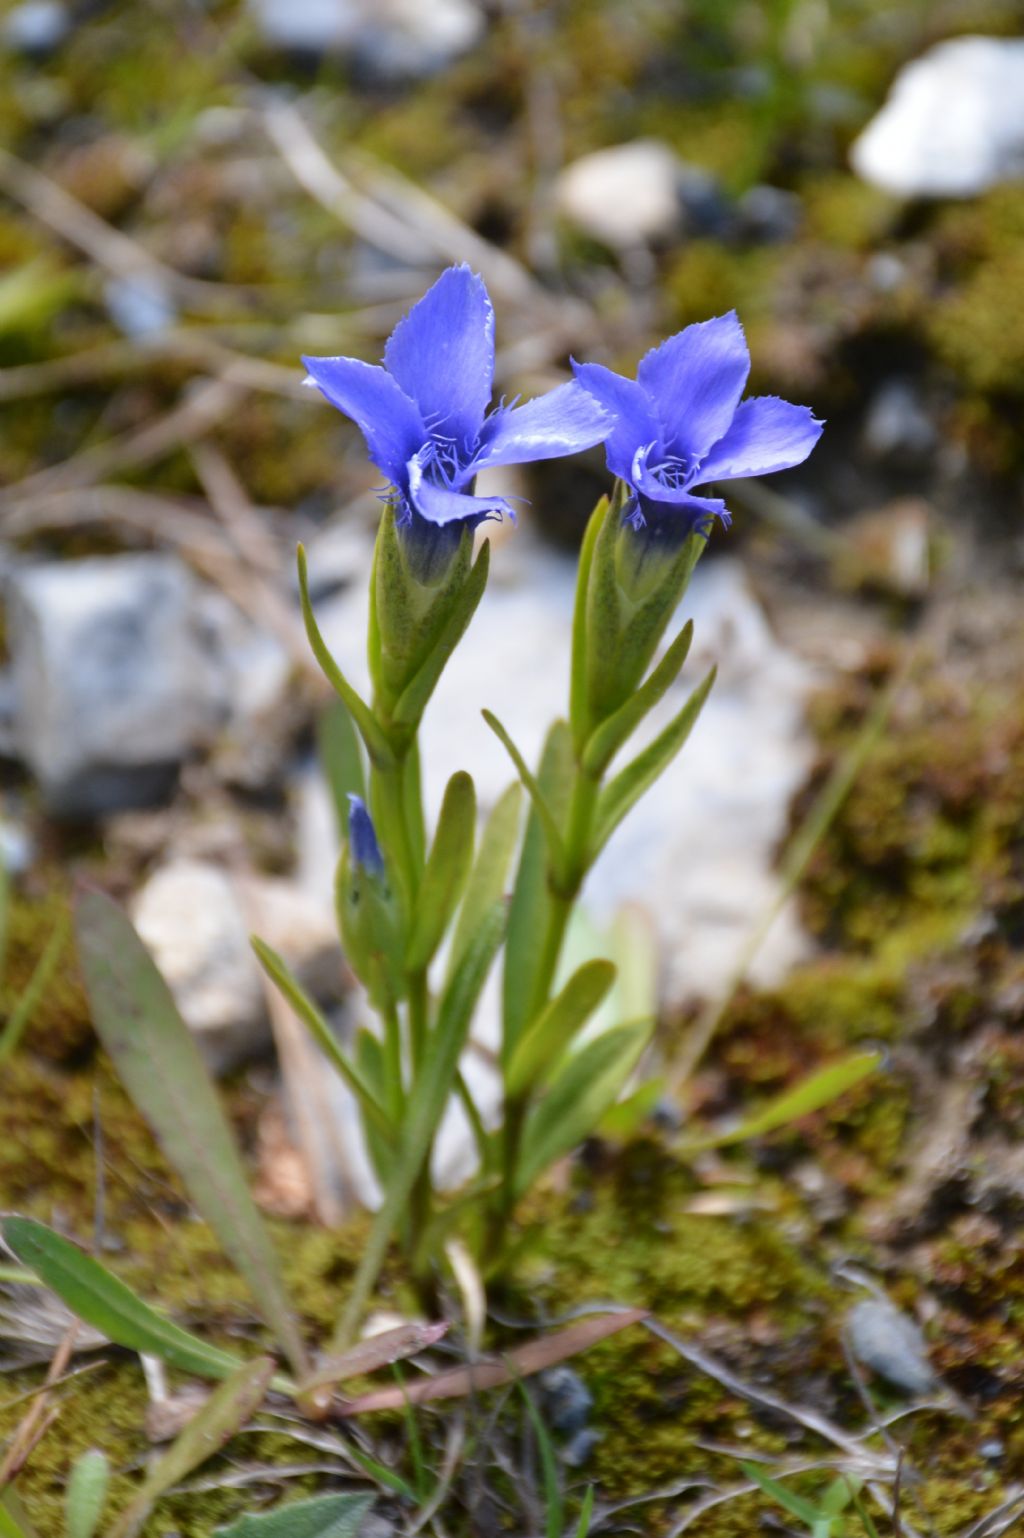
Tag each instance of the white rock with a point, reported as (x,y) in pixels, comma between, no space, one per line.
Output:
(196,920)
(626,196)
(35,26)
(123,666)
(393,39)
(108,678)
(890,1344)
(953,123)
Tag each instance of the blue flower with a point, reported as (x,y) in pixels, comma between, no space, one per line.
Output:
(425,414)
(362,838)
(681,425)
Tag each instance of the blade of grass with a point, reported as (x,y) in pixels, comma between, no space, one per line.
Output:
(159,1062)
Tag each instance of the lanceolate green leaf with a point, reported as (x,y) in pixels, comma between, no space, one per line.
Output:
(531,896)
(427,1101)
(813,1092)
(414,697)
(638,776)
(222,1416)
(86,1494)
(138,1022)
(93,1294)
(279,973)
(611,734)
(325,1516)
(588,1084)
(14,1522)
(376,743)
(490,872)
(446,871)
(552,1032)
(535,791)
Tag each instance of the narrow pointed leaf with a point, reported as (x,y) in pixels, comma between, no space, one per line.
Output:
(376,743)
(86,1494)
(523,1362)
(535,791)
(531,895)
(611,734)
(797,1507)
(34,991)
(490,872)
(447,870)
(325,1516)
(159,1063)
(583,1527)
(280,974)
(552,1032)
(221,1417)
(638,776)
(415,695)
(813,1092)
(590,1082)
(93,1294)
(426,1105)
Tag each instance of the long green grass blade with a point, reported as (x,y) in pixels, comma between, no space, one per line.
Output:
(553,1503)
(810,1094)
(222,1416)
(34,991)
(157,1058)
(92,1293)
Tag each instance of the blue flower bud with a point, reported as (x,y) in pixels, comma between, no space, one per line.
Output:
(362,837)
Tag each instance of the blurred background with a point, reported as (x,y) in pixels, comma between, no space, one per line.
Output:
(191,195)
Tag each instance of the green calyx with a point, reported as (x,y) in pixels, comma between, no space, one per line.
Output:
(630,586)
(412,610)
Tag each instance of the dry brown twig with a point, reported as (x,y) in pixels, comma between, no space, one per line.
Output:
(40,1416)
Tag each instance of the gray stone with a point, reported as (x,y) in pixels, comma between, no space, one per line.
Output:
(389,39)
(884,1339)
(953,123)
(109,679)
(898,428)
(35,27)
(567,1400)
(625,196)
(768,214)
(196,919)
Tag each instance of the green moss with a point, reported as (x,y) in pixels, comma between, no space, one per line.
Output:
(843,211)
(60,1028)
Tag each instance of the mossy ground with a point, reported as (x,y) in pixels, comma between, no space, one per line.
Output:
(916,895)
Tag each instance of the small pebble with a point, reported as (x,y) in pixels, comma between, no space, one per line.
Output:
(891,1345)
(992,1450)
(567,1400)
(35,28)
(580,1448)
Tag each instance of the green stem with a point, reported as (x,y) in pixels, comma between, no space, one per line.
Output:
(419,1019)
(394,1078)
